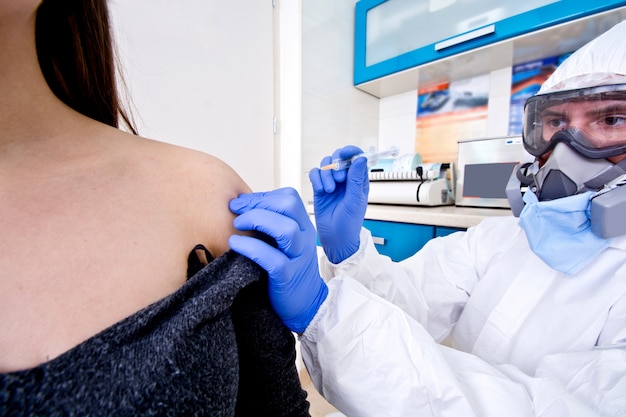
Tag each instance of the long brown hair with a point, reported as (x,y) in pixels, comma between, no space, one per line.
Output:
(76,56)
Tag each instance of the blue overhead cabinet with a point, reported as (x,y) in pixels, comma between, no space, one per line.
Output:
(395,35)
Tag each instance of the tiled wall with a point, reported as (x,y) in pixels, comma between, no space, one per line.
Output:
(397,113)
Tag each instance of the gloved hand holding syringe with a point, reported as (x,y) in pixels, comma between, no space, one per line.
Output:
(372,158)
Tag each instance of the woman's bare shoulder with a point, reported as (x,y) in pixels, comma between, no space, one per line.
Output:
(200,185)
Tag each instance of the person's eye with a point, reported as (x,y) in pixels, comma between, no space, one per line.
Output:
(557,123)
(615,121)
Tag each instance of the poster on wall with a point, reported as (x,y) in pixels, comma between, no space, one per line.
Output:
(447,113)
(526,81)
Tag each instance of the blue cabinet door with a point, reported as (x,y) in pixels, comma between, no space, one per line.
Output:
(395,35)
(399,240)
(445,231)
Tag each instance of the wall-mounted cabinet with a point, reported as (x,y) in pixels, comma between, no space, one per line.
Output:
(401,45)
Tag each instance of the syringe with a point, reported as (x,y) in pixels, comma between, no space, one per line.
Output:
(372,158)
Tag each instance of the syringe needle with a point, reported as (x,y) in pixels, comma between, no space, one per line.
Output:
(372,158)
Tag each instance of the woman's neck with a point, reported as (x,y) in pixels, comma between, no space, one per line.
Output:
(26,100)
(34,123)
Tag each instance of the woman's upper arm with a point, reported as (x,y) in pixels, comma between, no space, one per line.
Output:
(214,184)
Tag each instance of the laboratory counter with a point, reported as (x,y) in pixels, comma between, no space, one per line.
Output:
(446,216)
(400,231)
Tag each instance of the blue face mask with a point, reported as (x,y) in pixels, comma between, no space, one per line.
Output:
(559,231)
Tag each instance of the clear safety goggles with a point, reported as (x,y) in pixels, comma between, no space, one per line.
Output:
(590,120)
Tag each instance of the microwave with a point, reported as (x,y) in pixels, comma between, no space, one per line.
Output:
(484,167)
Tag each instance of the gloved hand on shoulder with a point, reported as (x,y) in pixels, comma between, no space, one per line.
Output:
(296,289)
(340,201)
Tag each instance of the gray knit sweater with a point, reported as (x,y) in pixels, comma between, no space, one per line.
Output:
(213,348)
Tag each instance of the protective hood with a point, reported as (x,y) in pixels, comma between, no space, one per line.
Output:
(602,61)
(576,163)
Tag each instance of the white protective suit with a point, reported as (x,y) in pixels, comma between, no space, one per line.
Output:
(526,340)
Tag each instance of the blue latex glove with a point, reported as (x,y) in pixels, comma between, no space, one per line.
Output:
(296,289)
(340,201)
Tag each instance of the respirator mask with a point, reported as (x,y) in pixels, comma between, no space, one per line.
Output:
(571,133)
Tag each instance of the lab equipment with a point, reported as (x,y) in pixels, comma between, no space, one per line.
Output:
(424,185)
(483,167)
(372,157)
